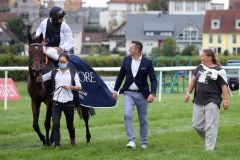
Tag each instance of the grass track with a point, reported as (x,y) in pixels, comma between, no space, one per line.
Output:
(171,136)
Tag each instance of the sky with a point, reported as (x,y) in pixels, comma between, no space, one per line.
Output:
(103,3)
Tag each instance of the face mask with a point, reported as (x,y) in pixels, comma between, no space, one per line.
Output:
(63,65)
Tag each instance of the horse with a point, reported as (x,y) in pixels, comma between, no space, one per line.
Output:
(41,91)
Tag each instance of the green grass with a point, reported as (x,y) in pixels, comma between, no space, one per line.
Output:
(170,133)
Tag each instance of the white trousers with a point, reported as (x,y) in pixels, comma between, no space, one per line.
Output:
(205,122)
(51,52)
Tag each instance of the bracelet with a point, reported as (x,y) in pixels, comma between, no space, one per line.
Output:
(188,93)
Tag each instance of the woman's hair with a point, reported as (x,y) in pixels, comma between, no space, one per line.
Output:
(64,55)
(210,53)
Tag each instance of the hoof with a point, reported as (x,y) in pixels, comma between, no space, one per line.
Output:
(47,144)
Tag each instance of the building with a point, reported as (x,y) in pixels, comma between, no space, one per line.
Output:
(117,40)
(188,6)
(93,43)
(217,6)
(192,6)
(151,30)
(6,36)
(117,11)
(68,5)
(72,5)
(91,16)
(221,31)
(234,4)
(27,9)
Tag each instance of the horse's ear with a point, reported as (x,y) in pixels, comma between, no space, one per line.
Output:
(40,38)
(29,34)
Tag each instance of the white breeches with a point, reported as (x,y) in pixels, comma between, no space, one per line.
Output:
(51,52)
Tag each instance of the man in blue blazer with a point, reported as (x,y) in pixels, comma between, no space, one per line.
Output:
(136,68)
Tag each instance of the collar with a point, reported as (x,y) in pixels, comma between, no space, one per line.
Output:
(64,72)
(139,59)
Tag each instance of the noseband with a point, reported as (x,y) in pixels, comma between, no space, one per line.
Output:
(36,59)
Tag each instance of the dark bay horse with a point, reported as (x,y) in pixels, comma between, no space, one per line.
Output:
(41,92)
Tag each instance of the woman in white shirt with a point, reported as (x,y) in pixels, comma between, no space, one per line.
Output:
(63,98)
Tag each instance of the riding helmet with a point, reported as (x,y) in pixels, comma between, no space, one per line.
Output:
(57,13)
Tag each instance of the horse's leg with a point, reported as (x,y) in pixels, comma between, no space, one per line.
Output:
(85,115)
(47,122)
(35,111)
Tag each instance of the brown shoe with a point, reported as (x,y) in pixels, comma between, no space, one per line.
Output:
(73,142)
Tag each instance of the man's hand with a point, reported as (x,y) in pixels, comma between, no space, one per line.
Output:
(150,98)
(225,104)
(186,98)
(115,95)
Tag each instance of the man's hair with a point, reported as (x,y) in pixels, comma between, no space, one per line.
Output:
(138,45)
(64,55)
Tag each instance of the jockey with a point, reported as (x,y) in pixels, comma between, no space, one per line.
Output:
(57,34)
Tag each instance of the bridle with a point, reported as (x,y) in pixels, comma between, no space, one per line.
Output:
(36,71)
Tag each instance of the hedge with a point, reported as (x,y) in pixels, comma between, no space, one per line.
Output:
(106,61)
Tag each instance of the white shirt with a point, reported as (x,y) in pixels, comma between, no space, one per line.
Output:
(66,37)
(134,67)
(62,95)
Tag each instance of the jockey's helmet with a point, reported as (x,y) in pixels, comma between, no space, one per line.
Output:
(56,13)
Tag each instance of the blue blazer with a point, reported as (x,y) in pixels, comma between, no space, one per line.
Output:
(145,69)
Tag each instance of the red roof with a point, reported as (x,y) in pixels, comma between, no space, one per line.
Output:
(6,16)
(227,21)
(129,1)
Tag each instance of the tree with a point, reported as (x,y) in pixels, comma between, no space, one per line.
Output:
(158,5)
(226,53)
(169,47)
(17,26)
(155,51)
(190,50)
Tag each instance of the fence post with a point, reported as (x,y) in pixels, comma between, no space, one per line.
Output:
(189,76)
(160,87)
(5,90)
(239,81)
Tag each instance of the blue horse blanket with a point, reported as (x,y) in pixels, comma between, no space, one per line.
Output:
(95,92)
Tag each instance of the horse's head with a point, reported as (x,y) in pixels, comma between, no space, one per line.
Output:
(36,56)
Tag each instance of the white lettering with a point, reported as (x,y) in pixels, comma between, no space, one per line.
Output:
(86,77)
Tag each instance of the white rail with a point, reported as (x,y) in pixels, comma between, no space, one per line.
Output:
(115,69)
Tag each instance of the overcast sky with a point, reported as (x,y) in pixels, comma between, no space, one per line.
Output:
(103,3)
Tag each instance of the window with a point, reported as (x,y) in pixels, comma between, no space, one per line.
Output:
(234,38)
(234,50)
(215,24)
(237,24)
(219,38)
(149,33)
(210,38)
(190,33)
(238,50)
(189,6)
(178,6)
(201,6)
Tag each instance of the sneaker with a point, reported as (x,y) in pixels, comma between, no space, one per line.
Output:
(131,144)
(144,146)
(57,147)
